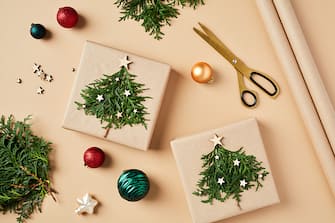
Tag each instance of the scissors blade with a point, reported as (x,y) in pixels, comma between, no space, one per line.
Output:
(216,43)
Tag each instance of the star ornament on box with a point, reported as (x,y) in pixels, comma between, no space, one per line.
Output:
(116,99)
(227,174)
(86,204)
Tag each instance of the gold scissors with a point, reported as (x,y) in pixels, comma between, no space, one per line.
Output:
(261,80)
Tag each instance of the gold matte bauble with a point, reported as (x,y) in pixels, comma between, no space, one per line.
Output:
(202,72)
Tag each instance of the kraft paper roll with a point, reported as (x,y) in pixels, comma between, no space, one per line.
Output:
(298,86)
(308,68)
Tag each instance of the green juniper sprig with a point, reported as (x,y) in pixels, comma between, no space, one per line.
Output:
(116,109)
(226,174)
(24,167)
(153,14)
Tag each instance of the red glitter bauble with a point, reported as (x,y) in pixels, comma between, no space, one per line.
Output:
(94,157)
(67,17)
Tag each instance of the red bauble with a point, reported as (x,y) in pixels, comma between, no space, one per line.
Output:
(94,157)
(67,17)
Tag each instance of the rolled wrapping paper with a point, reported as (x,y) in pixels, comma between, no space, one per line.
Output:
(308,68)
(299,89)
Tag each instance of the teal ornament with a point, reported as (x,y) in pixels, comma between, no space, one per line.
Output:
(133,185)
(37,31)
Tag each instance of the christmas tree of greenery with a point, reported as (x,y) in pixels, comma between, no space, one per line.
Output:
(153,14)
(228,173)
(24,166)
(115,99)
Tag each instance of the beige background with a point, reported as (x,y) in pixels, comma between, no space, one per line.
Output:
(188,107)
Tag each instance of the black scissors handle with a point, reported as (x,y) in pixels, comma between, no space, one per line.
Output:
(259,79)
(248,98)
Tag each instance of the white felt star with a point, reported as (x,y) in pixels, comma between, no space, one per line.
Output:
(119,114)
(236,162)
(100,97)
(135,110)
(124,62)
(36,67)
(40,90)
(243,183)
(49,78)
(216,140)
(216,157)
(86,204)
(117,79)
(221,181)
(127,93)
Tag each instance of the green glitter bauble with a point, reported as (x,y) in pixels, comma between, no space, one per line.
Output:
(133,185)
(37,31)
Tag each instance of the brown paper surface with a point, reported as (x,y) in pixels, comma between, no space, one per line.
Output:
(97,60)
(188,151)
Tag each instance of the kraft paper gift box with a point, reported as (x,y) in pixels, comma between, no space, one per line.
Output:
(188,152)
(97,60)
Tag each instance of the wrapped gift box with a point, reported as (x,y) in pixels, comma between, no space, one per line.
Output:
(97,60)
(188,152)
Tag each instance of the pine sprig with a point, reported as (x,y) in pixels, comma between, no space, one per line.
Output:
(220,164)
(112,88)
(24,167)
(153,14)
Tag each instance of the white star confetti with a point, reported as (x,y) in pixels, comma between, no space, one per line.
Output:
(36,67)
(40,90)
(127,93)
(243,183)
(135,110)
(216,140)
(260,176)
(236,162)
(86,204)
(83,106)
(100,97)
(216,157)
(117,79)
(124,62)
(41,74)
(221,181)
(119,114)
(49,78)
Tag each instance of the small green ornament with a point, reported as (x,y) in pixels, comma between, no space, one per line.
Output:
(37,31)
(133,185)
